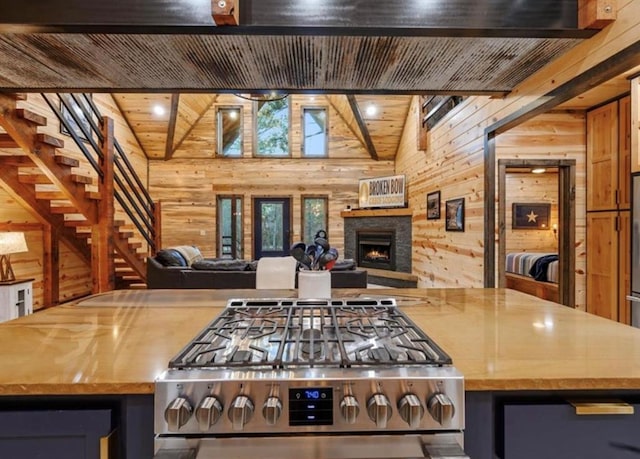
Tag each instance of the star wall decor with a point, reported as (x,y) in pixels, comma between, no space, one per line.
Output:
(531,216)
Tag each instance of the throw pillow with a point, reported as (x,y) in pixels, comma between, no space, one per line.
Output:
(190,253)
(347,264)
(170,257)
(220,265)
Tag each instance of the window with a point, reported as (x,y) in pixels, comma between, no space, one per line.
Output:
(314,216)
(272,127)
(229,131)
(314,132)
(229,227)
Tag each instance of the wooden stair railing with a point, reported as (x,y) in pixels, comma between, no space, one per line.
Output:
(76,209)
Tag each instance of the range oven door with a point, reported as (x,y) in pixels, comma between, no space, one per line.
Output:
(434,446)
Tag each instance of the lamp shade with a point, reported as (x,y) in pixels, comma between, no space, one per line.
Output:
(13,242)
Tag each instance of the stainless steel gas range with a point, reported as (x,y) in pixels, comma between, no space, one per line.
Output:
(326,379)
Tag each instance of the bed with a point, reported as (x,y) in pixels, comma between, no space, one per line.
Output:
(533,273)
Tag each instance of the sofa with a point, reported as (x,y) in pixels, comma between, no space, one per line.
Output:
(182,267)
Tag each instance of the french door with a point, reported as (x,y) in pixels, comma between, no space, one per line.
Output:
(271,227)
(230,234)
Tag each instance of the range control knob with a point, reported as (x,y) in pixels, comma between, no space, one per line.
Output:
(271,410)
(411,410)
(208,412)
(379,410)
(441,408)
(178,413)
(350,408)
(240,411)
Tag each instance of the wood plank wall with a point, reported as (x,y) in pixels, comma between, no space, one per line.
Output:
(453,163)
(188,184)
(75,274)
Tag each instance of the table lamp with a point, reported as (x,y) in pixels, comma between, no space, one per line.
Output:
(13,242)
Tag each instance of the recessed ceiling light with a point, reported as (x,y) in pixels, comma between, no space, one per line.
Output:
(158,110)
(371,110)
(538,170)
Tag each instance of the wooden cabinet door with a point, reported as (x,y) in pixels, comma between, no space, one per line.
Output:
(602,157)
(624,159)
(624,267)
(602,264)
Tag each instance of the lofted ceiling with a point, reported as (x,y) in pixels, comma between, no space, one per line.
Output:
(159,141)
(353,53)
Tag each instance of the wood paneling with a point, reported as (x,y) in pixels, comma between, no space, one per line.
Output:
(453,164)
(74,273)
(188,190)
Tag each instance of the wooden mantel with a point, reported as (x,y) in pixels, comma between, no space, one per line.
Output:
(376,213)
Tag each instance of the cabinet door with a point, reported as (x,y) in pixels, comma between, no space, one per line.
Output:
(6,305)
(55,434)
(602,264)
(624,140)
(602,157)
(624,267)
(555,431)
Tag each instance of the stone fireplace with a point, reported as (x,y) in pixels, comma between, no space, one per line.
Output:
(376,249)
(387,232)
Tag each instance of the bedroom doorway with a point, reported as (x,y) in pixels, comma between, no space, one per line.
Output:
(562,172)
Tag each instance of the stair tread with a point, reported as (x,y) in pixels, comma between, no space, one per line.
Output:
(50,140)
(32,117)
(67,161)
(64,210)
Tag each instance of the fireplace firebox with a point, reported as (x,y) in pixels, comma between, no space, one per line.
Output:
(376,249)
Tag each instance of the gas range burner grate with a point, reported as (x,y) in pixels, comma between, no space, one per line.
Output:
(290,333)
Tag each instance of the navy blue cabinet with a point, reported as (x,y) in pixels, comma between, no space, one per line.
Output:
(556,431)
(62,434)
(543,424)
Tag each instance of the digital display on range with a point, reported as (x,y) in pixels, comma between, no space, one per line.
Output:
(311,406)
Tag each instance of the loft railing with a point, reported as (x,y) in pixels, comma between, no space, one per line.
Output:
(81,119)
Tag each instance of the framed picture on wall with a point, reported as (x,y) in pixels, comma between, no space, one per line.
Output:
(531,215)
(433,205)
(454,215)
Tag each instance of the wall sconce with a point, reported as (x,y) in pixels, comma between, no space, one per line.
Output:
(10,243)
(554,228)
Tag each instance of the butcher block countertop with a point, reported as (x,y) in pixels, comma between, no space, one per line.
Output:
(500,339)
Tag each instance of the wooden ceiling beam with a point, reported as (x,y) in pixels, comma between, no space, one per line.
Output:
(171,128)
(596,14)
(225,12)
(371,148)
(531,18)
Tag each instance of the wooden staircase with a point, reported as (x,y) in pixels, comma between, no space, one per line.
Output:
(44,181)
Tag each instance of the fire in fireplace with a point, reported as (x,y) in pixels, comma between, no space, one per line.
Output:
(376,249)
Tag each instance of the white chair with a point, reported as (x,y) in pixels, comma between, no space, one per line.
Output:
(276,273)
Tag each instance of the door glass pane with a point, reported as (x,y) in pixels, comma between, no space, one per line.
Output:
(230,227)
(272,230)
(314,217)
(229,133)
(239,234)
(272,127)
(315,132)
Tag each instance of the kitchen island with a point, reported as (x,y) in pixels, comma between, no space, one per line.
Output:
(516,352)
